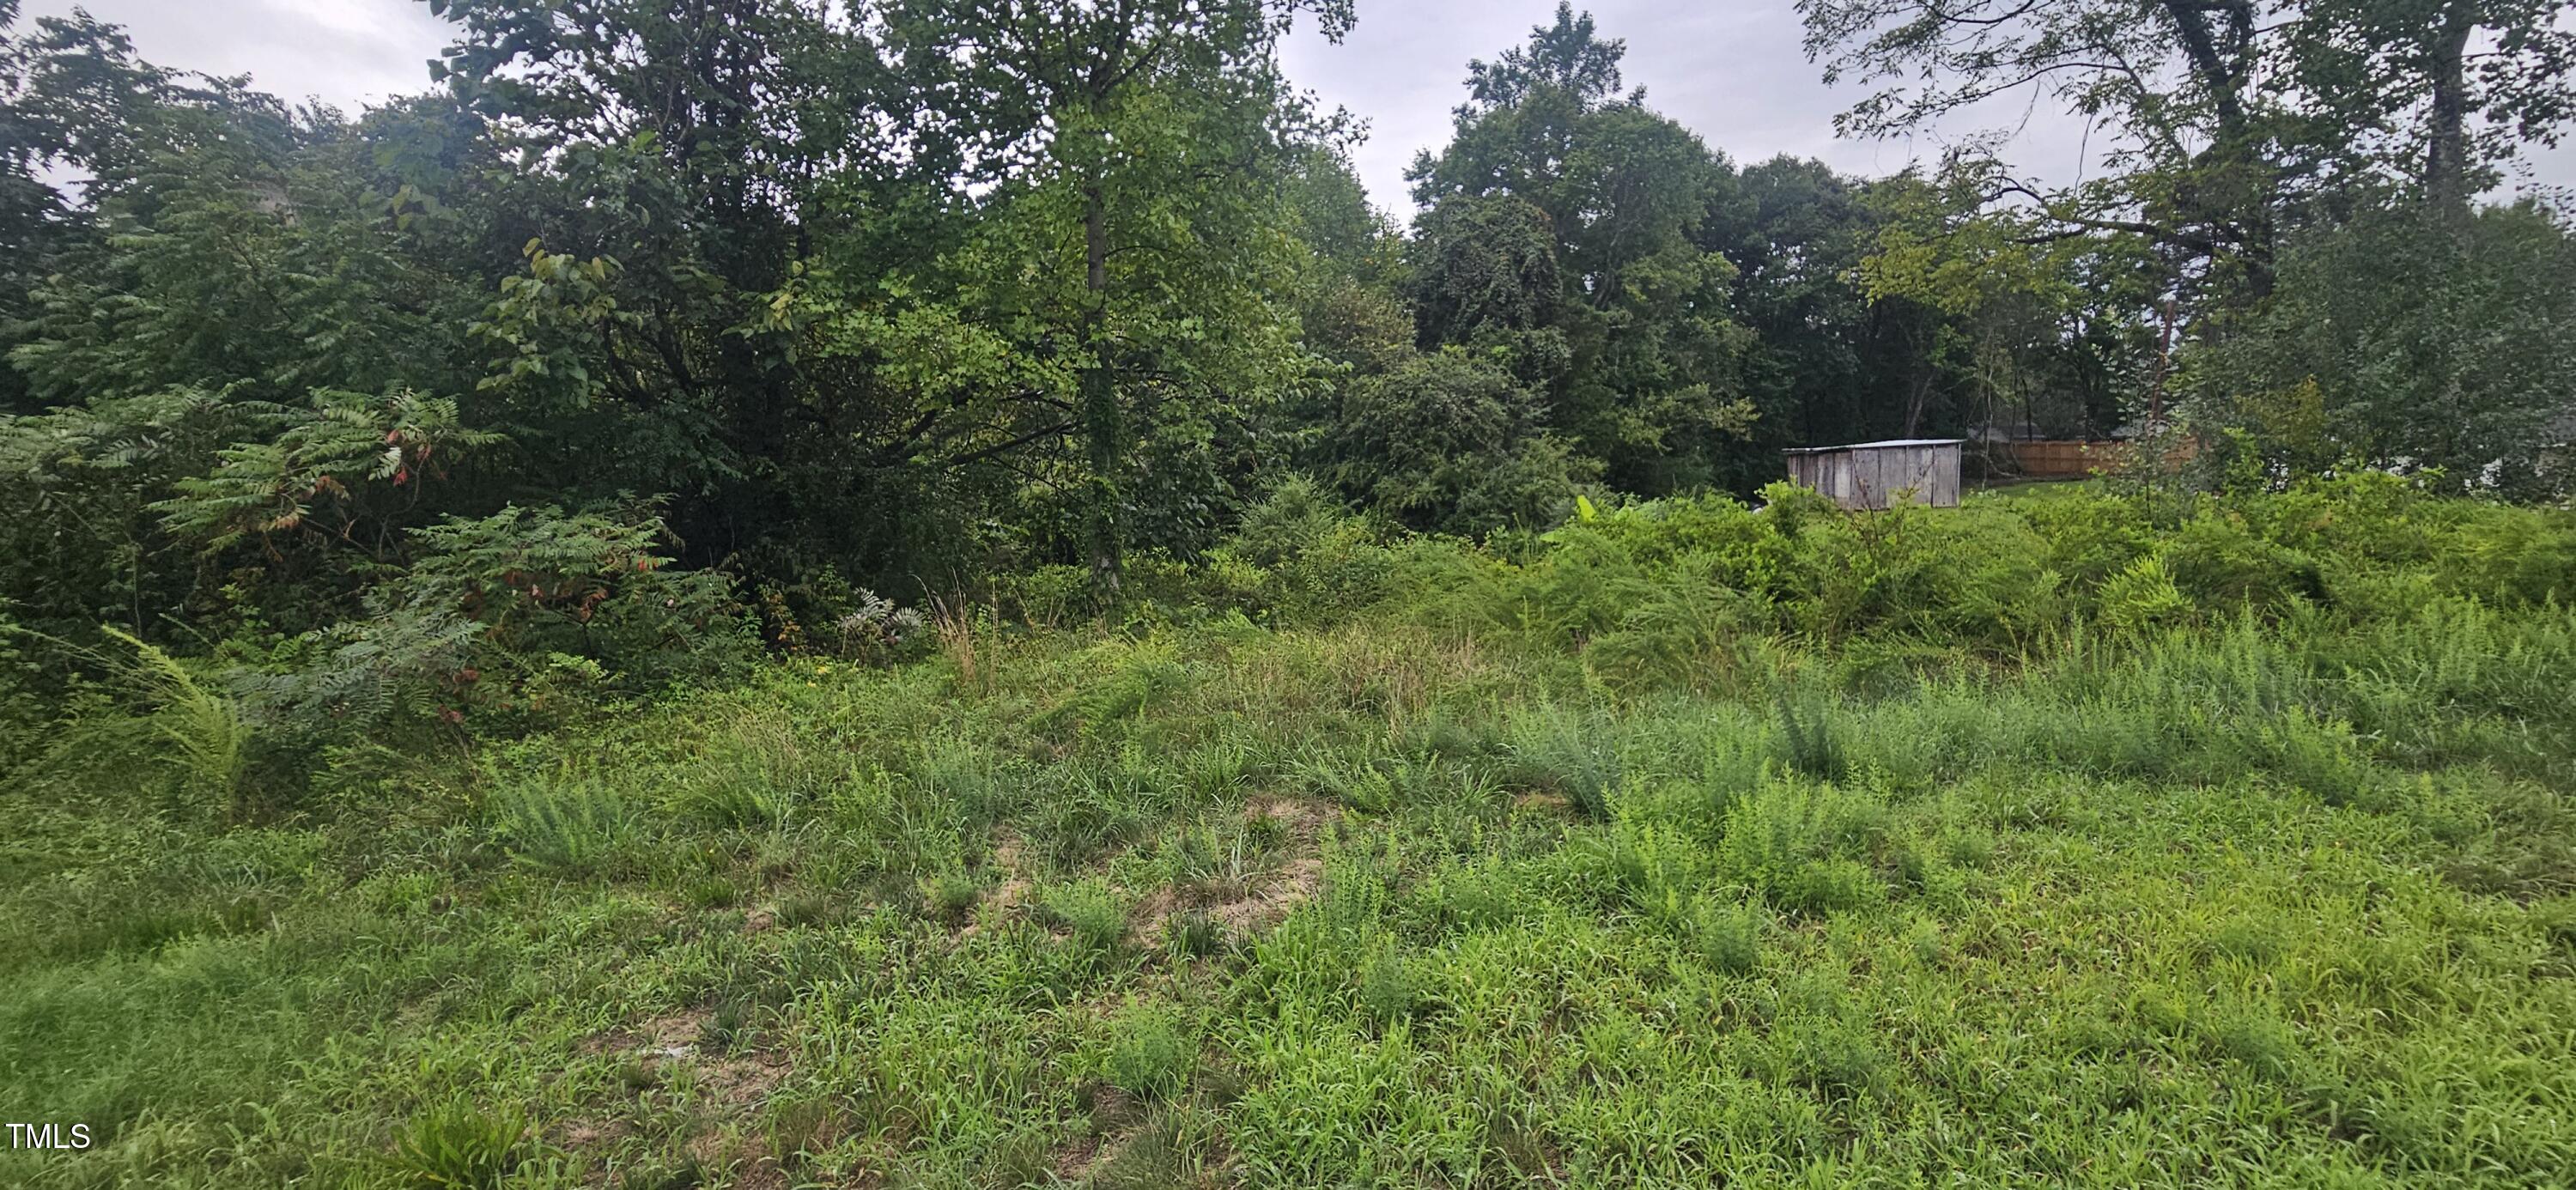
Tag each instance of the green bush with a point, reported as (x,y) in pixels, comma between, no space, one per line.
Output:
(588,584)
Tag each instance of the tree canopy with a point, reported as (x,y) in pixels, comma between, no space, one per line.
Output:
(804,297)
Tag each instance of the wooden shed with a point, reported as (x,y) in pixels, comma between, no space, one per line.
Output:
(1880,474)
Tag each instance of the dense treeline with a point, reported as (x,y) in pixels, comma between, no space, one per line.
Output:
(651,334)
(750,593)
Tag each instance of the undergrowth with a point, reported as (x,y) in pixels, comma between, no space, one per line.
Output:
(1703,845)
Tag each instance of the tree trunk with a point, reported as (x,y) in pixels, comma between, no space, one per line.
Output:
(1103,420)
(2237,188)
(2446,154)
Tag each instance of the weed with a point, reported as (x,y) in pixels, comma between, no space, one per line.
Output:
(569,830)
(806,907)
(2279,888)
(1150,1054)
(458,1146)
(711,892)
(1391,988)
(1557,752)
(951,896)
(1094,915)
(1808,741)
(1727,937)
(1193,934)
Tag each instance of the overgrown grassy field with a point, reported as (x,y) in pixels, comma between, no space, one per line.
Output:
(2078,841)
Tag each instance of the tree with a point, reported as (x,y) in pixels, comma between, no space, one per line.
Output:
(2403,338)
(1129,149)
(2429,93)
(75,103)
(1559,223)
(2179,86)
(1450,441)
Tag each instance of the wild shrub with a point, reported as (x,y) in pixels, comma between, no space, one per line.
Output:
(2321,756)
(1809,740)
(1300,555)
(824,613)
(1376,785)
(204,729)
(1139,675)
(1863,573)
(333,473)
(404,673)
(589,584)
(1731,545)
(1795,509)
(1726,936)
(1652,868)
(1682,628)
(1474,897)
(2523,558)
(1392,987)
(150,717)
(1989,582)
(1442,735)
(725,797)
(1836,1057)
(2091,537)
(2143,597)
(2226,568)
(1579,588)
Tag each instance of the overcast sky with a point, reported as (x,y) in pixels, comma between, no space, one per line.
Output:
(1732,70)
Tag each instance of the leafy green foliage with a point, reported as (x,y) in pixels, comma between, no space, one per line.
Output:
(1562,226)
(310,477)
(2398,342)
(1305,675)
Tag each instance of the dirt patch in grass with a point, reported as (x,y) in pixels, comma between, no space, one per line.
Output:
(583,1135)
(1011,860)
(1112,1110)
(716,1150)
(1544,803)
(735,1082)
(1262,900)
(1270,902)
(1305,818)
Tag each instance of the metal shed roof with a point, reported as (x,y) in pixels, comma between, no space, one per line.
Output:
(1817,450)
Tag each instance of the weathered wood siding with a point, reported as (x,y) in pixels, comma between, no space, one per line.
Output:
(1879,475)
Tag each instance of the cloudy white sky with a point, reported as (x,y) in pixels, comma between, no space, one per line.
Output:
(1732,70)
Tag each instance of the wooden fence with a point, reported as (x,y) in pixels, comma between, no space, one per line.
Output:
(2076,458)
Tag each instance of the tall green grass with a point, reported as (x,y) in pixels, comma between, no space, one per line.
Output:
(1662,855)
